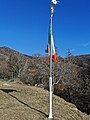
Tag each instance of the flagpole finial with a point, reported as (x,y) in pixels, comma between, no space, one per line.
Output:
(54,2)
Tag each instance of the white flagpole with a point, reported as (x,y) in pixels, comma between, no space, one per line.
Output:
(53,2)
(50,79)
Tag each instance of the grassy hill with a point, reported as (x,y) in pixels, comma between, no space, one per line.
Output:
(22,102)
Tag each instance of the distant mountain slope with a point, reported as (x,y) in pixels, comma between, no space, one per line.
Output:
(22,102)
(11,63)
(8,52)
(83,61)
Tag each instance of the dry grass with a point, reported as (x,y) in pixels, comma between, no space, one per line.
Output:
(21,102)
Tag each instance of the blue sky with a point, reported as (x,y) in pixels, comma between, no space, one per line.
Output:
(24,26)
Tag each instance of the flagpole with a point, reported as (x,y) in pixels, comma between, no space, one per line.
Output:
(50,78)
(53,2)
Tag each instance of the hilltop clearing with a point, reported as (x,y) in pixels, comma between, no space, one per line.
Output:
(22,102)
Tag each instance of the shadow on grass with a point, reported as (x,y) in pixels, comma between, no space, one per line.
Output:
(8,91)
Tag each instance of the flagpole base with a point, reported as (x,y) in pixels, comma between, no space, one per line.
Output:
(50,117)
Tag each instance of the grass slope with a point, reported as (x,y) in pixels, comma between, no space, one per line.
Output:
(21,102)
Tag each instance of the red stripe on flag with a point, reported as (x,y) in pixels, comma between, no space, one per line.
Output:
(54,58)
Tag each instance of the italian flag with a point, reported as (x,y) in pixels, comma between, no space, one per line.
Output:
(51,44)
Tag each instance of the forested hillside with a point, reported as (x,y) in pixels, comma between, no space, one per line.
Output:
(71,75)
